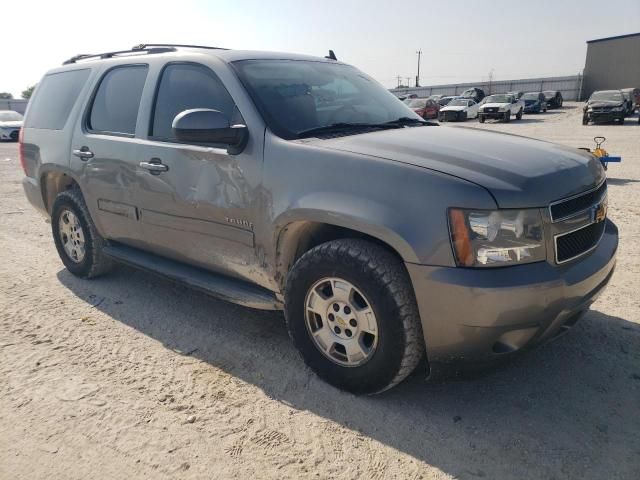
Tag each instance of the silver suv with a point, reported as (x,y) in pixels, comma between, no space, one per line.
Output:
(281,181)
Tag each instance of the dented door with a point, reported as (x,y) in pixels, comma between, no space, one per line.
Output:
(197,203)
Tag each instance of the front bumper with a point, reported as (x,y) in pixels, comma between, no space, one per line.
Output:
(533,109)
(476,317)
(9,134)
(602,117)
(498,115)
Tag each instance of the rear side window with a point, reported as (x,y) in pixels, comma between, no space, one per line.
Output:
(116,102)
(184,86)
(55,97)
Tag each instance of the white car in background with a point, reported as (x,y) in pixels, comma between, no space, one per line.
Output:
(10,125)
(500,107)
(458,110)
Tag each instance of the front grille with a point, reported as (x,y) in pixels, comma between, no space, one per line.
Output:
(491,110)
(566,208)
(578,242)
(449,115)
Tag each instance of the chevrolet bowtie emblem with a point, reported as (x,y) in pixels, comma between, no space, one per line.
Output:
(599,212)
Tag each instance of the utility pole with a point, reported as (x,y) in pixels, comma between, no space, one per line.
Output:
(419,53)
(490,80)
(399,80)
(408,78)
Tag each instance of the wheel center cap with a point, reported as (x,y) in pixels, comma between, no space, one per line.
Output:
(341,322)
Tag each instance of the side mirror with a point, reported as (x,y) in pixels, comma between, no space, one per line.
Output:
(204,125)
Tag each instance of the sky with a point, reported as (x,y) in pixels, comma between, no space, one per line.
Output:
(461,40)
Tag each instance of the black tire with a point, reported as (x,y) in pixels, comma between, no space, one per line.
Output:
(621,120)
(481,118)
(382,278)
(585,120)
(507,116)
(94,263)
(519,115)
(462,116)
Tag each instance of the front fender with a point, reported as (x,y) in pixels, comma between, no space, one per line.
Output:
(348,211)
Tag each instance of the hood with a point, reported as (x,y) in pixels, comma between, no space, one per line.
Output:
(495,105)
(600,104)
(453,108)
(11,124)
(530,102)
(519,172)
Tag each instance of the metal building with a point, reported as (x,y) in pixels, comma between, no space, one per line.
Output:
(612,63)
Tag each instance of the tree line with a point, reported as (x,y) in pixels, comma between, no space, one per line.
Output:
(26,94)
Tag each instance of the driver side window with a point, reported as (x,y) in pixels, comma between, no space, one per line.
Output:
(184,86)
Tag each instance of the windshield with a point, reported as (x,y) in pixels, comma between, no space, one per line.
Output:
(530,96)
(418,103)
(298,95)
(606,96)
(458,102)
(498,99)
(10,116)
(469,93)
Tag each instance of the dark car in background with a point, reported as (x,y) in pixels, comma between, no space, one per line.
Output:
(476,94)
(424,107)
(629,102)
(534,102)
(605,106)
(635,96)
(444,101)
(554,98)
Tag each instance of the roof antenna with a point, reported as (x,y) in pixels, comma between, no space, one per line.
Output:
(331,56)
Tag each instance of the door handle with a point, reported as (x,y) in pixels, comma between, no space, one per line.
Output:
(84,153)
(155,166)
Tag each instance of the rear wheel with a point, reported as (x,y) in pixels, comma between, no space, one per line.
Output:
(78,242)
(352,314)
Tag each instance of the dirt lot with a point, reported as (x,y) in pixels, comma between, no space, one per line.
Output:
(129,376)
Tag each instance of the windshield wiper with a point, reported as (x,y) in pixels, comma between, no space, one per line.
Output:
(407,121)
(336,127)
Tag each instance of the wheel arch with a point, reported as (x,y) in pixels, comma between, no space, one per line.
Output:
(54,180)
(298,235)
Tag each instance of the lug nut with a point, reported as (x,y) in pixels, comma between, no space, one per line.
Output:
(336,307)
(347,332)
(331,317)
(337,330)
(353,322)
(347,310)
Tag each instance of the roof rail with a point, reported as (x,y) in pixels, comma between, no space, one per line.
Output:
(146,45)
(105,55)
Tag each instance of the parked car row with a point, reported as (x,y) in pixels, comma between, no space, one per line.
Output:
(473,103)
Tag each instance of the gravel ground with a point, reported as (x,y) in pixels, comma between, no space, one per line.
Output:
(129,376)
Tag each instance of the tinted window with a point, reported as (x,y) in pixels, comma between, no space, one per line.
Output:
(54,98)
(183,87)
(115,106)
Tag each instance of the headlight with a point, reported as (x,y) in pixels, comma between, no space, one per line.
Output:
(504,109)
(589,109)
(617,109)
(495,238)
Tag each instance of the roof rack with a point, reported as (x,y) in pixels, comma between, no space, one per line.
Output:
(178,45)
(141,49)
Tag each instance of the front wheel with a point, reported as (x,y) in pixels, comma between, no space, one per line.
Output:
(585,120)
(78,242)
(352,314)
(481,118)
(507,117)
(519,115)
